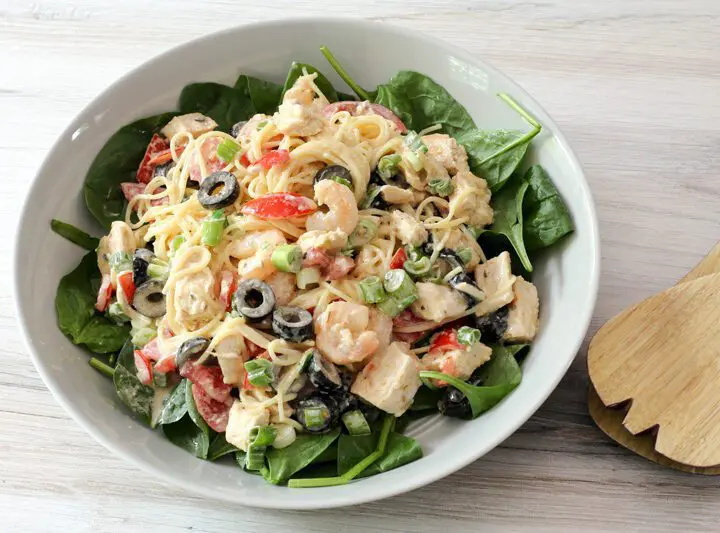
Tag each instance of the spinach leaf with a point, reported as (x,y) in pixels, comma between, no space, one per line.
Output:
(117,162)
(219,447)
(186,434)
(411,416)
(318,470)
(138,397)
(500,377)
(74,235)
(197,418)
(482,145)
(283,463)
(335,64)
(225,105)
(75,309)
(400,450)
(546,218)
(174,405)
(426,399)
(264,95)
(296,70)
(420,102)
(508,207)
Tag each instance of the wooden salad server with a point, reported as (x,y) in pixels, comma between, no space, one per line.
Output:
(663,355)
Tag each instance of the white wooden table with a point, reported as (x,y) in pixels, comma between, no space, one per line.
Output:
(636,87)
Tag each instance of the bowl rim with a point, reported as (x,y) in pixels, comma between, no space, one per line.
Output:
(421,478)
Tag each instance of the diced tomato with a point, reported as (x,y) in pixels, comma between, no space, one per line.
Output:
(215,413)
(166,364)
(125,280)
(131,190)
(156,146)
(144,368)
(407,318)
(398,260)
(274,158)
(365,108)
(228,286)
(253,349)
(339,267)
(213,163)
(209,378)
(279,205)
(151,350)
(165,156)
(244,160)
(316,257)
(444,341)
(104,294)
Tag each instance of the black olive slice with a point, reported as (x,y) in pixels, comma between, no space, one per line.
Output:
(292,323)
(492,327)
(254,299)
(191,349)
(149,299)
(334,172)
(218,190)
(235,130)
(323,374)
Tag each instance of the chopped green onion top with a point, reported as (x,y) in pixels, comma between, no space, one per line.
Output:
(262,436)
(316,417)
(468,336)
(157,271)
(388,165)
(372,193)
(341,181)
(227,149)
(304,363)
(141,336)
(307,277)
(260,372)
(261,125)
(287,258)
(120,261)
(363,233)
(418,267)
(398,283)
(441,187)
(116,314)
(356,423)
(415,162)
(392,307)
(372,290)
(212,228)
(177,242)
(465,255)
(413,141)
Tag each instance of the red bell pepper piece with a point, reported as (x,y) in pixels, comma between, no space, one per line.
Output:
(279,205)
(444,341)
(274,158)
(228,286)
(398,260)
(146,169)
(125,280)
(104,294)
(165,156)
(144,368)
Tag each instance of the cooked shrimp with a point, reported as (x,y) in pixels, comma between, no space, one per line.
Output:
(382,325)
(283,285)
(343,213)
(300,113)
(446,151)
(344,335)
(258,266)
(255,241)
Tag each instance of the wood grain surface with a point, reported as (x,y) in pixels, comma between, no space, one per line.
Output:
(635,87)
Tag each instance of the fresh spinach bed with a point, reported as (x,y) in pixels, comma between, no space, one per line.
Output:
(530,215)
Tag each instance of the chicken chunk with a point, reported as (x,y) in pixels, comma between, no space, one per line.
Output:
(395,195)
(447,152)
(325,240)
(476,205)
(460,363)
(191,292)
(496,280)
(458,240)
(241,422)
(300,113)
(408,229)
(193,123)
(390,380)
(283,285)
(437,302)
(522,322)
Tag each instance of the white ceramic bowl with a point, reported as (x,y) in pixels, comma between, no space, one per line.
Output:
(567,277)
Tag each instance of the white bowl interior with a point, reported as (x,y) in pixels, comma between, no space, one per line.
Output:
(567,277)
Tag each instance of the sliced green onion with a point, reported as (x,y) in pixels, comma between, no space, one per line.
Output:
(316,417)
(262,435)
(177,242)
(308,277)
(255,458)
(157,271)
(372,193)
(260,372)
(304,363)
(287,258)
(227,149)
(101,367)
(468,336)
(160,380)
(116,314)
(388,165)
(356,423)
(413,141)
(363,233)
(398,284)
(391,307)
(212,228)
(465,255)
(341,181)
(141,336)
(120,261)
(419,267)
(415,161)
(261,125)
(372,290)
(441,187)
